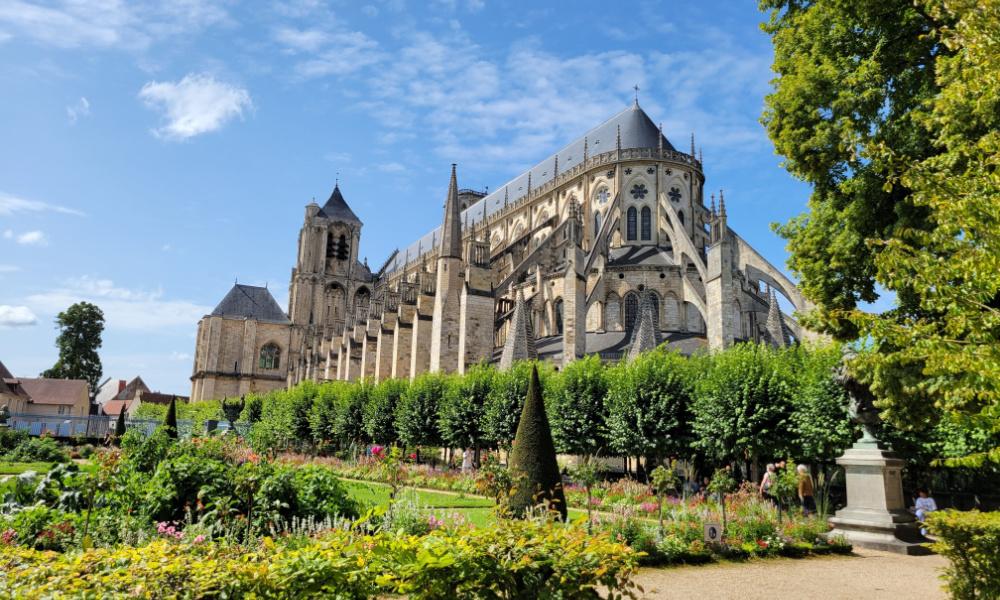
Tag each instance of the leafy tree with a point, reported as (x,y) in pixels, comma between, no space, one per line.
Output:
(819,417)
(648,405)
(742,407)
(575,403)
(253,410)
(506,398)
(348,426)
(533,465)
(417,410)
(80,328)
(170,422)
(460,416)
(379,411)
(323,414)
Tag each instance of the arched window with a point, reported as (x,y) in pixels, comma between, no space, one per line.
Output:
(270,356)
(343,248)
(630,224)
(597,222)
(558,310)
(631,310)
(331,246)
(647,227)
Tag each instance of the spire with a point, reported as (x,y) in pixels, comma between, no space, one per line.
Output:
(618,140)
(701,156)
(659,138)
(585,148)
(714,214)
(645,337)
(505,198)
(692,144)
(451,231)
(722,205)
(555,167)
(528,193)
(336,208)
(775,322)
(520,343)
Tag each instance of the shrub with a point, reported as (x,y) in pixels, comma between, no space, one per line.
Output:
(417,411)
(43,449)
(533,465)
(460,415)
(301,492)
(379,411)
(11,438)
(574,400)
(969,540)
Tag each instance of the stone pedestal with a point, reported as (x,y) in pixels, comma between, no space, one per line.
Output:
(876,516)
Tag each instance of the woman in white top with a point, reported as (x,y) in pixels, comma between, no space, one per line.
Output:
(921,506)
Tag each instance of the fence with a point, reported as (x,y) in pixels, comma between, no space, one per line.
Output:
(98,426)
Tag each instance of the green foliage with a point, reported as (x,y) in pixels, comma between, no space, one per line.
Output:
(80,328)
(380,408)
(969,541)
(417,411)
(575,403)
(532,460)
(648,405)
(253,409)
(32,449)
(460,415)
(819,418)
(301,492)
(170,421)
(743,405)
(348,425)
(508,390)
(11,438)
(120,425)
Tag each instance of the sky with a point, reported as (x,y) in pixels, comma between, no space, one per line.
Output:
(152,153)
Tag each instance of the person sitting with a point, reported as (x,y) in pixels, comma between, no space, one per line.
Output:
(922,505)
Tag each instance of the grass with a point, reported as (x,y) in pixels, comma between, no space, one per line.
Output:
(476,510)
(16,468)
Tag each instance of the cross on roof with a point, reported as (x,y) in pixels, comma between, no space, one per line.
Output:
(636,88)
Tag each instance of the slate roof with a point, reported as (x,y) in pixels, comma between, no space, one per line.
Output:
(250,302)
(336,208)
(55,391)
(130,390)
(648,256)
(637,131)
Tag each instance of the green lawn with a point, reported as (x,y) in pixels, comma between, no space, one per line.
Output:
(476,510)
(16,468)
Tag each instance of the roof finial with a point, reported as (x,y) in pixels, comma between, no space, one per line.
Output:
(505,196)
(336,180)
(701,156)
(636,88)
(585,148)
(722,204)
(555,167)
(659,139)
(692,144)
(528,193)
(618,139)
(713,204)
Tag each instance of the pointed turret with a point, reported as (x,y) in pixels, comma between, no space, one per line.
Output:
(520,343)
(451,231)
(645,337)
(775,322)
(336,208)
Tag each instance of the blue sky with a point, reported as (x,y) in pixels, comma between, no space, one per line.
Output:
(152,155)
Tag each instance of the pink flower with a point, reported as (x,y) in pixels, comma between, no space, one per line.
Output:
(7,537)
(413,456)
(649,507)
(198,539)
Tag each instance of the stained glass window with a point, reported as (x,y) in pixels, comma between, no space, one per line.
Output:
(630,224)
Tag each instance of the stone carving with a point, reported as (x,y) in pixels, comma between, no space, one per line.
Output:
(862,402)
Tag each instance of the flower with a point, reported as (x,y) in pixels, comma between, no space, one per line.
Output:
(7,537)
(413,456)
(198,539)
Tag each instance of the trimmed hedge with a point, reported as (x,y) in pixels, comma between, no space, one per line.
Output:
(971,543)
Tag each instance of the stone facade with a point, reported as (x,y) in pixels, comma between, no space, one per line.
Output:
(617,216)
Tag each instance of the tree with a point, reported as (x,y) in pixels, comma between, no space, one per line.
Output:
(80,328)
(851,75)
(533,465)
(379,411)
(575,403)
(170,422)
(508,390)
(742,407)
(648,405)
(819,419)
(460,416)
(348,425)
(417,410)
(120,426)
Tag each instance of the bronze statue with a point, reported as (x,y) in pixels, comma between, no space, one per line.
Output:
(862,408)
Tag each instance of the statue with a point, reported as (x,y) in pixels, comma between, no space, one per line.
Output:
(861,409)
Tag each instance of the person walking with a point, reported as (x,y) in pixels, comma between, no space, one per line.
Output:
(806,490)
(767,481)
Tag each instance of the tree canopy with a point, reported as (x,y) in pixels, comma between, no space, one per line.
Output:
(80,328)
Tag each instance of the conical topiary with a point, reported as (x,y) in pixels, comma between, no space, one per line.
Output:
(171,421)
(532,461)
(120,426)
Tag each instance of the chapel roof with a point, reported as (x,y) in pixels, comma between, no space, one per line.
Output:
(637,131)
(336,208)
(250,302)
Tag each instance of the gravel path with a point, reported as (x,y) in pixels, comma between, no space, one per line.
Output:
(867,574)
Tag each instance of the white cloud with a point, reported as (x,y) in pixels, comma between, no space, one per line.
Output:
(346,52)
(12,204)
(16,316)
(194,105)
(109,23)
(81,108)
(124,308)
(182,356)
(9,269)
(304,40)
(31,238)
(391,167)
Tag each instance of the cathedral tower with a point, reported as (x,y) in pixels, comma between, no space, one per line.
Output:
(447,301)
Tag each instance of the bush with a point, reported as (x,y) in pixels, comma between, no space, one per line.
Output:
(518,560)
(11,438)
(533,467)
(969,540)
(301,492)
(33,449)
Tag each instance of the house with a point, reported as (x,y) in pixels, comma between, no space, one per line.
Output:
(12,394)
(132,396)
(49,397)
(108,390)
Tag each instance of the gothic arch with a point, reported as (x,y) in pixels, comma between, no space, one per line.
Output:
(557,316)
(269,357)
(631,304)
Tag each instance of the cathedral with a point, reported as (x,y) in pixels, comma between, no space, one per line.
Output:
(606,247)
